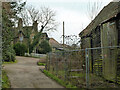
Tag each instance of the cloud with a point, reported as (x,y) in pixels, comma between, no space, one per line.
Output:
(75,20)
(70,0)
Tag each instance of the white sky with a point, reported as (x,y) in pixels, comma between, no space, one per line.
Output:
(72,12)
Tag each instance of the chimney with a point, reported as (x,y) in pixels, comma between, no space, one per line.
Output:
(35,26)
(20,23)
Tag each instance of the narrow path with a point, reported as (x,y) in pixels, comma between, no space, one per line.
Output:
(26,74)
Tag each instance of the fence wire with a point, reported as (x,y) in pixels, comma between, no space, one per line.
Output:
(87,68)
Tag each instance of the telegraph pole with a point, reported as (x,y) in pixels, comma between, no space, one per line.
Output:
(63,34)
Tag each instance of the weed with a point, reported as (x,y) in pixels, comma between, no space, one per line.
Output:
(61,82)
(5,80)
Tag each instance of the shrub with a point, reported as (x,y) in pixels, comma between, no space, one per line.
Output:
(9,54)
(20,49)
(44,47)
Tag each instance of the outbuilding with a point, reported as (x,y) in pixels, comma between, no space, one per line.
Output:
(104,31)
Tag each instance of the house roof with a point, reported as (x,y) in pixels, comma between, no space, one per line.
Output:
(108,12)
(22,34)
(54,43)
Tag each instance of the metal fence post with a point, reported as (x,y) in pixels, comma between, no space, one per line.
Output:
(49,62)
(65,70)
(46,62)
(65,64)
(1,44)
(57,65)
(87,67)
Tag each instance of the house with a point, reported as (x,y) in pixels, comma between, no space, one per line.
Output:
(104,31)
(57,46)
(54,44)
(25,34)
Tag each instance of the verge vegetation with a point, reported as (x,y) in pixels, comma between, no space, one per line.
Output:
(5,80)
(10,62)
(40,64)
(61,82)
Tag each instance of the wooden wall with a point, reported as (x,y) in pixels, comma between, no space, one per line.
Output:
(109,37)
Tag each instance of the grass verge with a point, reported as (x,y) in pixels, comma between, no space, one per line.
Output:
(10,62)
(61,82)
(40,64)
(5,80)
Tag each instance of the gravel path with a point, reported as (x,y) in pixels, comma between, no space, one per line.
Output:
(26,74)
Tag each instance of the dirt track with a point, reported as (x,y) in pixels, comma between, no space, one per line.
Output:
(26,74)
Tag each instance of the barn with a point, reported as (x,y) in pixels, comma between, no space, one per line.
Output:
(104,31)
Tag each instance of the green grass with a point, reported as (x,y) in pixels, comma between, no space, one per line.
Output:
(40,64)
(61,82)
(77,74)
(10,62)
(5,80)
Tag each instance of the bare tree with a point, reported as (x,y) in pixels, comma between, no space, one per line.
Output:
(25,17)
(72,40)
(93,8)
(33,13)
(45,17)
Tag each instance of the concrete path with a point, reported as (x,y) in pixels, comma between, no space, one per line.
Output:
(26,74)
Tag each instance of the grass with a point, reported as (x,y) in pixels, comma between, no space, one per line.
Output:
(80,79)
(5,80)
(40,64)
(61,82)
(77,74)
(10,62)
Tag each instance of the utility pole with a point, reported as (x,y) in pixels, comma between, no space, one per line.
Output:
(63,34)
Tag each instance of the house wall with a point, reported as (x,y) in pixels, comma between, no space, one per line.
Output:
(17,40)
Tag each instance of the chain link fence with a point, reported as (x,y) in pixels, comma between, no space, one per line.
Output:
(87,68)
(103,67)
(68,65)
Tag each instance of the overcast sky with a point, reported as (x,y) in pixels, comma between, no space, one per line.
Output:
(72,12)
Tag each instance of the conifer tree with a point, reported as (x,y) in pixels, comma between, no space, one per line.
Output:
(10,10)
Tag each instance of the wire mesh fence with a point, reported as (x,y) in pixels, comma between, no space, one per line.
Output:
(104,64)
(67,65)
(87,68)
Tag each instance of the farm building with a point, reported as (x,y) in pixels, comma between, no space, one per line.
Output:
(104,31)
